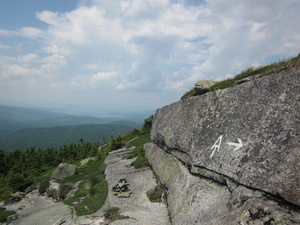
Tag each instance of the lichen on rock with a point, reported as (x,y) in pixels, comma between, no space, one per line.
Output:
(246,136)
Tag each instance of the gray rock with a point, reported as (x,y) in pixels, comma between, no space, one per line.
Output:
(18,194)
(202,86)
(11,218)
(29,189)
(56,214)
(64,170)
(125,194)
(191,200)
(73,190)
(243,138)
(138,207)
(60,221)
(261,115)
(197,200)
(53,185)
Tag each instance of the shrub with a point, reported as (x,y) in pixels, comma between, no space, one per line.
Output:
(155,194)
(113,214)
(188,94)
(146,127)
(52,193)
(18,182)
(94,180)
(140,162)
(4,214)
(44,185)
(115,145)
(12,199)
(64,190)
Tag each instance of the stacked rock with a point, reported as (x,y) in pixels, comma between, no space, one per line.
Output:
(121,189)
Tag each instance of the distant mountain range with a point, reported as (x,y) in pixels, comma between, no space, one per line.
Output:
(17,118)
(22,128)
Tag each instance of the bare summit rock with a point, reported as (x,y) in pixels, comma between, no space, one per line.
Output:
(244,136)
(64,170)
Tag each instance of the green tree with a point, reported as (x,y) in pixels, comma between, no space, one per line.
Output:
(18,182)
(146,127)
(3,166)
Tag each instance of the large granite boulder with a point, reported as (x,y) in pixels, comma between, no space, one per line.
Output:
(64,170)
(247,135)
(202,86)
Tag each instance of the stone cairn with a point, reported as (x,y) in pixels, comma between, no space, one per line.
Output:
(121,189)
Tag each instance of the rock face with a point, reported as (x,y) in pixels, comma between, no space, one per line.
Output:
(64,170)
(244,138)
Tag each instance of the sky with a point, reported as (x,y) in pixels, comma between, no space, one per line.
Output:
(116,57)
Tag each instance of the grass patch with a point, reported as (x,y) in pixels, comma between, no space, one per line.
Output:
(94,201)
(262,71)
(140,141)
(155,194)
(4,214)
(188,94)
(140,162)
(92,190)
(139,152)
(113,214)
(88,171)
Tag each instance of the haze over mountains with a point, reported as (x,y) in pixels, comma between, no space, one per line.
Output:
(22,128)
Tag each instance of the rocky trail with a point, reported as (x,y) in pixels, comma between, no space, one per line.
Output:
(135,206)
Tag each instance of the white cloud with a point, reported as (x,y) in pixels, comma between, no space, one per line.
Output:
(25,32)
(156,46)
(102,76)
(30,32)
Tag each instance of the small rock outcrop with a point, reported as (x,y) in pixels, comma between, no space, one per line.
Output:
(232,156)
(64,170)
(57,190)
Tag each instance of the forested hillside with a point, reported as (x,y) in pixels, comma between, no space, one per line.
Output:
(56,136)
(18,169)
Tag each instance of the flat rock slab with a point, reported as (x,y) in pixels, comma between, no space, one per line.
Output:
(56,214)
(36,210)
(138,207)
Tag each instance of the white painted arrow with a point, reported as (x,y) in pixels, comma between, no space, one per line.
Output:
(237,145)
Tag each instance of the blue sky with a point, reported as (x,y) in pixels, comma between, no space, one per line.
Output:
(114,57)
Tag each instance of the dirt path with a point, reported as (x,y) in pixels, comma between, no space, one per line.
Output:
(138,207)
